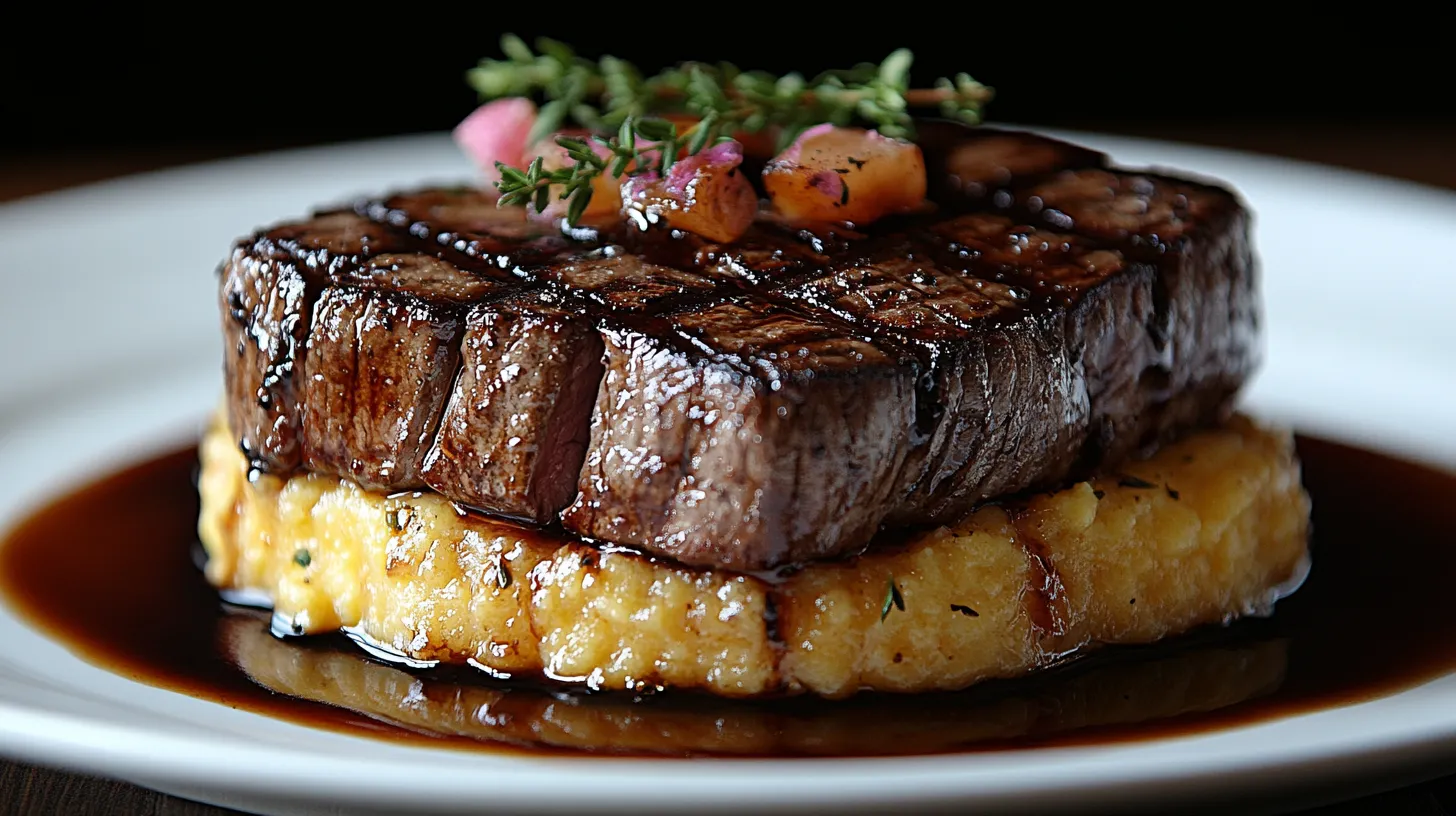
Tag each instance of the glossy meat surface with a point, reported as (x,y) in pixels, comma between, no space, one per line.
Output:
(771,401)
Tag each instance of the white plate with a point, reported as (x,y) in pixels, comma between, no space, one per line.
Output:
(110,329)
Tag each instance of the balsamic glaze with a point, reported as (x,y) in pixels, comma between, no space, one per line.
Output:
(108,571)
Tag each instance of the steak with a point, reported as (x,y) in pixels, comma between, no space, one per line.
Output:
(767,402)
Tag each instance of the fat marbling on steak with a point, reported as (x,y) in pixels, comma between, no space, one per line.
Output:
(771,401)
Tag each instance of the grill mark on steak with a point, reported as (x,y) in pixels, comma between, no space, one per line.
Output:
(379,368)
(973,168)
(268,292)
(1203,313)
(465,227)
(770,401)
(513,435)
(696,441)
(991,303)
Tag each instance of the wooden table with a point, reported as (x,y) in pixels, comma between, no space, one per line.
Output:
(1418,152)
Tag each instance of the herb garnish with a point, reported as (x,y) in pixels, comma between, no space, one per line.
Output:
(1125,480)
(965,610)
(302,558)
(396,518)
(502,573)
(1172,494)
(893,598)
(613,100)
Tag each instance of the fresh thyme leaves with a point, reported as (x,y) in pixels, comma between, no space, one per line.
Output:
(965,610)
(1099,494)
(600,95)
(302,558)
(1126,480)
(893,598)
(502,573)
(1172,494)
(616,156)
(612,99)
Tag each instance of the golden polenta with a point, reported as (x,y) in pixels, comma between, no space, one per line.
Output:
(1209,529)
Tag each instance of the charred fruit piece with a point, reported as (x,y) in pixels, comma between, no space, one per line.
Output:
(845,174)
(705,193)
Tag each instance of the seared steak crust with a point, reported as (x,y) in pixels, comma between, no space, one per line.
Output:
(703,447)
(515,431)
(380,366)
(772,401)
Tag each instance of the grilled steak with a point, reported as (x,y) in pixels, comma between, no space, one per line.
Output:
(767,402)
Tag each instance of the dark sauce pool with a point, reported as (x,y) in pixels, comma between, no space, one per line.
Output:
(108,570)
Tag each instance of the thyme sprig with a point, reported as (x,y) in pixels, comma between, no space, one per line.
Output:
(532,186)
(893,600)
(611,96)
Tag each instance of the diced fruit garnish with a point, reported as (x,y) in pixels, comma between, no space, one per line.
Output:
(705,193)
(845,174)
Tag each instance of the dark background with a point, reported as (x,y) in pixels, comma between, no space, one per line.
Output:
(226,79)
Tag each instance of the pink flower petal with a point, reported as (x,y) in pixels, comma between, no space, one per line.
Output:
(703,193)
(791,153)
(829,183)
(496,131)
(718,158)
(723,157)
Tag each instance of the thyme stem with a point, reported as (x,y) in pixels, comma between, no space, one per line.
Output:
(610,96)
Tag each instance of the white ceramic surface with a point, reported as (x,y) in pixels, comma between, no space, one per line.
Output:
(110,329)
